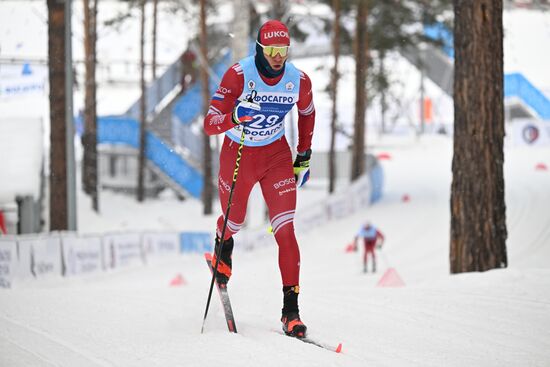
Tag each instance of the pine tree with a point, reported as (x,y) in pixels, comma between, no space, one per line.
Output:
(334,95)
(142,109)
(208,189)
(358,148)
(478,211)
(58,154)
(89,137)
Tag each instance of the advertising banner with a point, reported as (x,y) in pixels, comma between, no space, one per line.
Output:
(196,242)
(81,255)
(529,132)
(39,256)
(8,261)
(311,217)
(338,207)
(160,245)
(249,239)
(23,85)
(122,249)
(360,194)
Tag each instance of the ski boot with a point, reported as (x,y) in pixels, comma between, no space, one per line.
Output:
(292,325)
(224,267)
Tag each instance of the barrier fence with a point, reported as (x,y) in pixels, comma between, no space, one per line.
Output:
(67,254)
(358,196)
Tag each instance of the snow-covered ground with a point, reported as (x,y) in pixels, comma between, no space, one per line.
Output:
(134,318)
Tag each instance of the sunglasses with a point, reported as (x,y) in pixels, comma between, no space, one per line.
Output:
(272,51)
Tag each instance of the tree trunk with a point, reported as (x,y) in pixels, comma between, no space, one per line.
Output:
(358,153)
(154,41)
(241,29)
(89,138)
(334,90)
(142,115)
(208,191)
(279,9)
(478,211)
(383,104)
(58,152)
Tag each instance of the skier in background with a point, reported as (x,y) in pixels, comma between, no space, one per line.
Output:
(372,239)
(255,94)
(189,69)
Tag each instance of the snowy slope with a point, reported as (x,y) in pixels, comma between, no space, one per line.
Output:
(134,318)
(497,318)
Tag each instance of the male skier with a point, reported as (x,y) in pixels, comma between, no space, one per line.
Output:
(255,94)
(372,238)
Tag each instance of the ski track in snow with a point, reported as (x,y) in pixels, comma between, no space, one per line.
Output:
(132,317)
(47,349)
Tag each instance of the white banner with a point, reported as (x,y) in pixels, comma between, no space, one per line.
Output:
(248,239)
(340,205)
(22,85)
(8,261)
(121,250)
(156,245)
(360,195)
(311,217)
(39,256)
(81,255)
(529,132)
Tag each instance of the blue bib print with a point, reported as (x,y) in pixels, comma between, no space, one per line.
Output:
(276,101)
(369,234)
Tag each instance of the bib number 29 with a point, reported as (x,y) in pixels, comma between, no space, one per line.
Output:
(261,121)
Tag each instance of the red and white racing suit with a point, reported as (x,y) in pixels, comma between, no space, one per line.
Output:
(270,165)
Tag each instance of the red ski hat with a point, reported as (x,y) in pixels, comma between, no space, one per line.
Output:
(273,32)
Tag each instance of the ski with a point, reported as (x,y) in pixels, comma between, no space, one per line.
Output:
(224,297)
(317,343)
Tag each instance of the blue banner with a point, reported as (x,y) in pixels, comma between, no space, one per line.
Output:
(377,180)
(199,242)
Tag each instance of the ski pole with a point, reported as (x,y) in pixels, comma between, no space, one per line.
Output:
(219,251)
